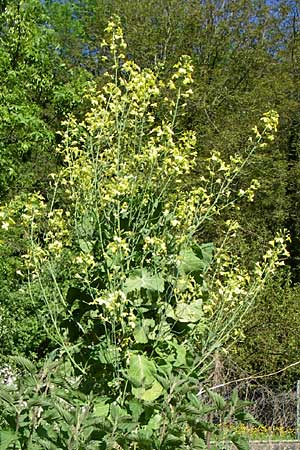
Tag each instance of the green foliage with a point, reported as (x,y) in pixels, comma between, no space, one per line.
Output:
(37,91)
(44,409)
(273,329)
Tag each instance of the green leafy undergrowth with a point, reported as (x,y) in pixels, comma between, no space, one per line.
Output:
(44,409)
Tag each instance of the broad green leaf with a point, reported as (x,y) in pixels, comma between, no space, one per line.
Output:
(169,312)
(196,259)
(155,422)
(88,224)
(198,443)
(141,371)
(143,279)
(189,313)
(180,355)
(85,246)
(148,395)
(101,409)
(6,438)
(136,408)
(207,252)
(189,262)
(144,437)
(142,330)
(116,412)
(140,335)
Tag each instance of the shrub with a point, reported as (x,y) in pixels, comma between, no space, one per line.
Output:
(139,301)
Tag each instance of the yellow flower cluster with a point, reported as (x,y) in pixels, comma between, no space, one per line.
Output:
(270,122)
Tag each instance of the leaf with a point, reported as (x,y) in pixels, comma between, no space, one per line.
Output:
(142,330)
(140,335)
(7,437)
(117,413)
(169,312)
(196,259)
(189,262)
(180,354)
(25,363)
(6,394)
(106,353)
(198,443)
(172,439)
(143,279)
(85,246)
(194,400)
(240,442)
(148,395)
(141,371)
(38,401)
(64,413)
(246,417)
(136,409)
(101,409)
(207,252)
(217,399)
(155,422)
(234,397)
(190,313)
(88,223)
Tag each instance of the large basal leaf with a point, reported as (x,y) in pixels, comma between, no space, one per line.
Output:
(189,262)
(190,313)
(141,371)
(140,335)
(142,331)
(149,395)
(196,259)
(206,253)
(143,279)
